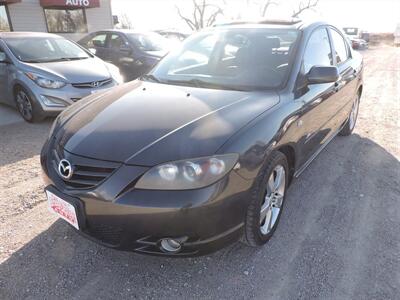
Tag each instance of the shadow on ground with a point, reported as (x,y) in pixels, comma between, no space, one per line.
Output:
(338,238)
(22,140)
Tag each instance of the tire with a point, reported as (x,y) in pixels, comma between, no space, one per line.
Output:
(257,231)
(28,108)
(352,120)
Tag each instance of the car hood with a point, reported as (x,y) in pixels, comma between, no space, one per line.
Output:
(143,123)
(75,71)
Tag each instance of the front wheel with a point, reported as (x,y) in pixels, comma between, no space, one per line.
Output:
(29,109)
(267,201)
(351,122)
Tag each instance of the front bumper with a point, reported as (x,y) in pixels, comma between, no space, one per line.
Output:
(67,95)
(117,215)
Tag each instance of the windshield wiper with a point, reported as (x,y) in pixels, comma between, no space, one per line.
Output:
(150,77)
(32,61)
(206,84)
(64,59)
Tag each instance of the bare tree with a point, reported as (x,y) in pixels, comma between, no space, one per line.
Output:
(304,5)
(125,22)
(265,5)
(204,14)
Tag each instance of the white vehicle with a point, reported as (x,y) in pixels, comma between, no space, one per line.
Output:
(397,36)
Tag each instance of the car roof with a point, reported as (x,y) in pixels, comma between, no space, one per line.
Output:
(273,23)
(124,31)
(21,34)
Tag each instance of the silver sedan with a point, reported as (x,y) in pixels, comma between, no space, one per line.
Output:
(41,74)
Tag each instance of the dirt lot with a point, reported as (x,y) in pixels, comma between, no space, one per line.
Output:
(338,237)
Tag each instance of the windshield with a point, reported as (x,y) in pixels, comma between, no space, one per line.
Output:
(44,49)
(351,30)
(149,42)
(242,59)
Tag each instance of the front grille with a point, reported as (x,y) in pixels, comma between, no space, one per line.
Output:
(93,84)
(106,234)
(87,173)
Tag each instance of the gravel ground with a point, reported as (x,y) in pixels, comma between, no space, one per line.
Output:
(338,237)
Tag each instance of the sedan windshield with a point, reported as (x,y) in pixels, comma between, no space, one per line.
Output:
(239,59)
(149,42)
(44,49)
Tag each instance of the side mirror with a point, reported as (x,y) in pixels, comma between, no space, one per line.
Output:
(93,51)
(320,74)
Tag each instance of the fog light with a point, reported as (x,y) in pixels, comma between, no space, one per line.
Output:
(52,101)
(170,245)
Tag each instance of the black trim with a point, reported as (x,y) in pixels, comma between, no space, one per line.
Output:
(65,9)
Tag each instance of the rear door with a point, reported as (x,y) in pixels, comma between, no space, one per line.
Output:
(346,88)
(318,99)
(99,43)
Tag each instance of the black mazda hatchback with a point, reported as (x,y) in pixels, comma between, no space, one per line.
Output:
(199,152)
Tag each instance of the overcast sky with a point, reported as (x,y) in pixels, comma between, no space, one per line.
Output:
(371,15)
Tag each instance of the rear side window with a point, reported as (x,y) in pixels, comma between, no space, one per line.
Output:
(98,40)
(318,50)
(339,43)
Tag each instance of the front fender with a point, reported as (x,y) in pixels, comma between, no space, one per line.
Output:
(270,131)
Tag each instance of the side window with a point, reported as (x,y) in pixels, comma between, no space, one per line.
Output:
(98,40)
(318,51)
(339,43)
(116,41)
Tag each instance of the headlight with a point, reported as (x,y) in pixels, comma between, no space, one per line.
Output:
(45,82)
(188,174)
(115,73)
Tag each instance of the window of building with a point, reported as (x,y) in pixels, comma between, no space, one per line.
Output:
(318,51)
(339,43)
(65,20)
(5,24)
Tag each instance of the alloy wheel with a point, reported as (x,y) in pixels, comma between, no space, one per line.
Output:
(24,105)
(274,195)
(354,114)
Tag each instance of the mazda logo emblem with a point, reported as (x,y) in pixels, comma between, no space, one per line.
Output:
(95,84)
(65,169)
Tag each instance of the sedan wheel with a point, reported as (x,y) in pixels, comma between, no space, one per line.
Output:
(354,114)
(266,204)
(24,105)
(271,207)
(351,122)
(29,110)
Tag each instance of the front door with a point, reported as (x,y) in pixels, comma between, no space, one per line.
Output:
(318,99)
(3,78)
(121,55)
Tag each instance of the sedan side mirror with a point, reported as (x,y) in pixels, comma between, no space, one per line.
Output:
(321,74)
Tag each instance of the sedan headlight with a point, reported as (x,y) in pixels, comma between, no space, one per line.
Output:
(115,73)
(188,174)
(45,82)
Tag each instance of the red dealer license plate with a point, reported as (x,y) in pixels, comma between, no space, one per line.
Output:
(62,209)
